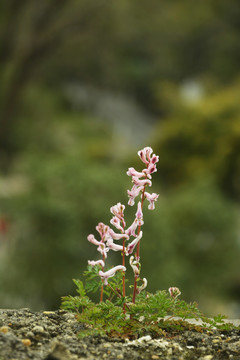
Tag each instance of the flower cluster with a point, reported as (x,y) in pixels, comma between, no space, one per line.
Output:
(108,236)
(142,179)
(130,236)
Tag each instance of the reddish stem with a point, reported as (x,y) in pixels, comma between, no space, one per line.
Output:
(123,279)
(115,292)
(101,294)
(137,254)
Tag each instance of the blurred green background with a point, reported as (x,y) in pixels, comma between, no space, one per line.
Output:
(84,85)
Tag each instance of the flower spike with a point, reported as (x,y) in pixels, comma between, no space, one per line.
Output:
(141,180)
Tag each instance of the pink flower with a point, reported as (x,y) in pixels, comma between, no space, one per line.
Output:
(103,250)
(154,159)
(134,265)
(115,221)
(110,273)
(141,179)
(139,214)
(98,262)
(142,182)
(147,173)
(118,210)
(132,228)
(113,246)
(102,229)
(151,198)
(101,246)
(92,239)
(116,236)
(133,244)
(132,172)
(144,154)
(150,170)
(133,193)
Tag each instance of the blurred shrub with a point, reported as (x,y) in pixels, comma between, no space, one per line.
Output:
(191,242)
(198,145)
(71,179)
(202,138)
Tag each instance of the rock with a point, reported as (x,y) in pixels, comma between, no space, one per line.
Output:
(38,330)
(59,352)
(4,329)
(53,335)
(26,342)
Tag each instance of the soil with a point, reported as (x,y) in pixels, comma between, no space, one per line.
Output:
(53,335)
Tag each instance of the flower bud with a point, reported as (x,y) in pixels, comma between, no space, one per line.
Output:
(174,292)
(143,286)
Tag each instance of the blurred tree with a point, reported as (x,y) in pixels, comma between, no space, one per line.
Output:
(119,45)
(201,139)
(30,33)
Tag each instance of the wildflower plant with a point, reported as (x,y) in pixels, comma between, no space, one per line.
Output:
(127,239)
(116,312)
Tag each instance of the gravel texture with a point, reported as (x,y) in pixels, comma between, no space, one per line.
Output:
(52,335)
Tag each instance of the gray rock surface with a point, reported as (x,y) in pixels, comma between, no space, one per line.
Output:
(53,335)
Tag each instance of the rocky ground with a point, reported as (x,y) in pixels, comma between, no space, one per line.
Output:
(53,336)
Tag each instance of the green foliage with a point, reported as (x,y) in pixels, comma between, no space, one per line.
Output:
(93,284)
(115,283)
(93,281)
(77,303)
(153,314)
